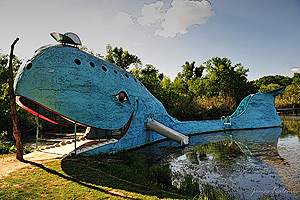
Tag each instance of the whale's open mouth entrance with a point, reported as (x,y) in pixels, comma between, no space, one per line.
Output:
(56,118)
(93,133)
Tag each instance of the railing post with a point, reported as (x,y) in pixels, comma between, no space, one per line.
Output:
(75,138)
(37,132)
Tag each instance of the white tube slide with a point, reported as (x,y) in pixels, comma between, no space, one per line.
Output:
(167,132)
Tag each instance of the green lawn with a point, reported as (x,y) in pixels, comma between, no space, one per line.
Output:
(67,179)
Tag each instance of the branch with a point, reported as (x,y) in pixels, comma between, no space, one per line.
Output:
(16,132)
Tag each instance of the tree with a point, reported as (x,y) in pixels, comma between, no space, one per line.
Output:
(121,58)
(5,119)
(277,79)
(158,85)
(292,92)
(190,71)
(150,77)
(224,79)
(266,88)
(91,51)
(12,97)
(186,79)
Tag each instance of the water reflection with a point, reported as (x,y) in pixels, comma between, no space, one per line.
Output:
(289,148)
(252,163)
(260,143)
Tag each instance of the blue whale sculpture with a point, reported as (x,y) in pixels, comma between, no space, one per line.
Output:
(65,85)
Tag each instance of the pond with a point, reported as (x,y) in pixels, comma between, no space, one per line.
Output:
(249,163)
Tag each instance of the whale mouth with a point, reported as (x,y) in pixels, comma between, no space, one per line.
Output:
(56,118)
(98,134)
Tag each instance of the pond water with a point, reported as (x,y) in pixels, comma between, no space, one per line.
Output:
(250,163)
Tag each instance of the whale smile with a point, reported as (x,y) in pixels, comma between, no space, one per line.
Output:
(47,114)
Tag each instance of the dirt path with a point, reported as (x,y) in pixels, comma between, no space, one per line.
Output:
(9,164)
(54,146)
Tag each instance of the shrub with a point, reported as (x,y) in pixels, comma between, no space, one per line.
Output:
(4,149)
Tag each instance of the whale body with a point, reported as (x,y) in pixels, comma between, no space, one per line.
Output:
(65,85)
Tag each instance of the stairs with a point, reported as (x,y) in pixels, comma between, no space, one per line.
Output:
(66,148)
(60,144)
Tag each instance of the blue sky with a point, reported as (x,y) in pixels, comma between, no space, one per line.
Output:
(262,35)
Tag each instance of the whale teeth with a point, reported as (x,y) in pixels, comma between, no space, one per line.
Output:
(99,134)
(106,134)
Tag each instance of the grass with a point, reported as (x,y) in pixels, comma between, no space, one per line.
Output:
(121,176)
(74,178)
(49,181)
(97,177)
(136,168)
(131,172)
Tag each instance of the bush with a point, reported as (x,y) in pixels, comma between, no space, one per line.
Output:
(4,149)
(7,149)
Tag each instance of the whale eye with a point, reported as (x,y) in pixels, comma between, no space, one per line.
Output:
(122,97)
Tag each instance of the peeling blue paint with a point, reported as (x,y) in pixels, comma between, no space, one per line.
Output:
(84,89)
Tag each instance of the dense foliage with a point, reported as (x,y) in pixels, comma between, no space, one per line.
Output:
(195,96)
(291,95)
(213,89)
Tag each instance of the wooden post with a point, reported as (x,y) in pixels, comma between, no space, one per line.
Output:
(13,113)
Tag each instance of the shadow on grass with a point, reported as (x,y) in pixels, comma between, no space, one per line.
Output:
(78,168)
(72,178)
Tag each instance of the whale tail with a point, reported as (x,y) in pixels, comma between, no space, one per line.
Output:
(276,91)
(256,111)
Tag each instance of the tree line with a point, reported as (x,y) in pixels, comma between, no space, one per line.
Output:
(208,91)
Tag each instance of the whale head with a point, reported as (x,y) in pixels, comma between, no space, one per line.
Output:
(65,85)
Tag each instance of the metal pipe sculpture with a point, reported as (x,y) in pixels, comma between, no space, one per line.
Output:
(65,85)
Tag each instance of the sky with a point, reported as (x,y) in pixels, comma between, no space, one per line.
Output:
(264,36)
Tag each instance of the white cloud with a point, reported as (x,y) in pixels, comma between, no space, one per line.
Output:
(152,13)
(176,19)
(295,69)
(123,19)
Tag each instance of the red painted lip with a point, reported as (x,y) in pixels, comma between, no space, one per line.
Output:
(43,112)
(127,127)
(56,118)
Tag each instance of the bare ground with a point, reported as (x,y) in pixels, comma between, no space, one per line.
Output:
(9,164)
